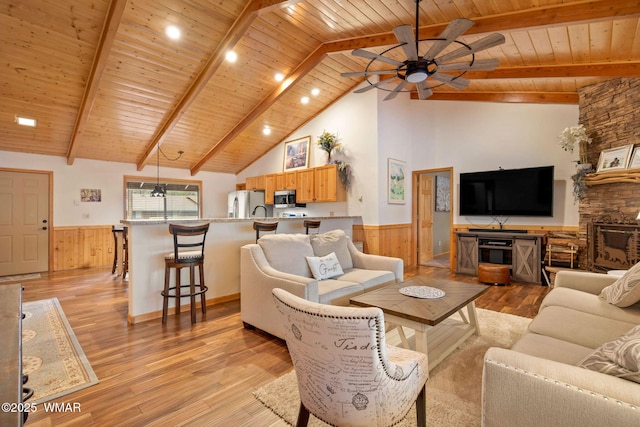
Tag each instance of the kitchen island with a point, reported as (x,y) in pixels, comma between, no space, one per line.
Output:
(150,241)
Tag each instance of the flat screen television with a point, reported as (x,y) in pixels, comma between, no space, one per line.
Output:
(507,192)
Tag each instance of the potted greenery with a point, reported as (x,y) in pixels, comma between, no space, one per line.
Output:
(329,142)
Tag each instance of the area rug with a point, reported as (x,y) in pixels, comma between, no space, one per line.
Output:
(51,354)
(454,386)
(19,277)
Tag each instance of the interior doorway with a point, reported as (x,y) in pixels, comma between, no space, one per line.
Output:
(25,214)
(432,216)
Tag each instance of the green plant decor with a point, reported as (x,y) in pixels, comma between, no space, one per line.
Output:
(579,185)
(328,142)
(344,172)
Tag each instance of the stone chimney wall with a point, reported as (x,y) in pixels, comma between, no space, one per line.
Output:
(610,111)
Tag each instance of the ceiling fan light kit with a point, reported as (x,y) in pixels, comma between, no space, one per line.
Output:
(428,68)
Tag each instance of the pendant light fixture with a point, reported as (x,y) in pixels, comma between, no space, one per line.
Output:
(161,190)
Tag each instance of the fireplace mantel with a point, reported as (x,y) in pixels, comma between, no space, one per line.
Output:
(627,175)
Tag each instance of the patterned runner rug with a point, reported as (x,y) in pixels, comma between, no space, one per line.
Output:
(454,386)
(51,354)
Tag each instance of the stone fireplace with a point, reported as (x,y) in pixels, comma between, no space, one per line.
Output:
(609,110)
(613,246)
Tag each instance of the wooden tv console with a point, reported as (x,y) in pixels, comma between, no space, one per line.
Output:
(522,252)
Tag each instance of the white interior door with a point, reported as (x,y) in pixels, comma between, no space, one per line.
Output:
(24,222)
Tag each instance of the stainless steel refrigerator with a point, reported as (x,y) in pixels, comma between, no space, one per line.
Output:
(248,204)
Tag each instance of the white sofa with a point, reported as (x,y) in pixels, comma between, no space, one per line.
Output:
(553,375)
(280,261)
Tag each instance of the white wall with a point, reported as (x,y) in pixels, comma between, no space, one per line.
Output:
(68,180)
(468,136)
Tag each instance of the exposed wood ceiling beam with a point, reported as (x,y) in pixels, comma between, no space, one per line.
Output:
(533,18)
(242,23)
(539,17)
(307,65)
(511,97)
(603,69)
(109,31)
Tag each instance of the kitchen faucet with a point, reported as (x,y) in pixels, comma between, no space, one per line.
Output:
(260,206)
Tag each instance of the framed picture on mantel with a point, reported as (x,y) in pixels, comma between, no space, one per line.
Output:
(635,159)
(615,158)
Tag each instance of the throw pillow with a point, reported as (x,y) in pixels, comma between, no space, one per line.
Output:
(620,357)
(626,290)
(325,267)
(333,241)
(286,252)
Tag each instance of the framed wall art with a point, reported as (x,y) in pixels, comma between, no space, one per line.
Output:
(396,171)
(296,154)
(615,158)
(443,204)
(90,195)
(635,159)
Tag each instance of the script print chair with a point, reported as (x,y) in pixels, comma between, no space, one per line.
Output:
(188,252)
(347,375)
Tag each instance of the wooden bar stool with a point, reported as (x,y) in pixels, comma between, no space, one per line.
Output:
(121,249)
(188,251)
(264,227)
(310,223)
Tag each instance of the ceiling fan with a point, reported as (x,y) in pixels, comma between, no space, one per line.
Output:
(420,69)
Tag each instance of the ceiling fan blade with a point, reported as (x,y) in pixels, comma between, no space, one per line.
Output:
(481,64)
(482,44)
(457,83)
(371,55)
(404,34)
(448,36)
(371,86)
(367,73)
(424,91)
(396,90)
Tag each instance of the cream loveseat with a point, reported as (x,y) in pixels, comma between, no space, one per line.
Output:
(555,374)
(280,261)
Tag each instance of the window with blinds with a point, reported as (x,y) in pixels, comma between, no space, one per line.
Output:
(182,201)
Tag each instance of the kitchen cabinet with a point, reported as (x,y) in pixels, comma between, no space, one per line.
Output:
(305,191)
(320,184)
(327,185)
(255,183)
(269,188)
(286,181)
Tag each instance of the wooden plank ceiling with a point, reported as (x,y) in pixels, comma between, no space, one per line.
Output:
(104,82)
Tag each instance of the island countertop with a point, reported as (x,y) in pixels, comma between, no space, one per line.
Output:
(149,241)
(356,220)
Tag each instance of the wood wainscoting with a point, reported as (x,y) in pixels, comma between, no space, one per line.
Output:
(388,240)
(82,246)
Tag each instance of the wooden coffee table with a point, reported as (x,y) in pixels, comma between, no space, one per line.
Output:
(429,317)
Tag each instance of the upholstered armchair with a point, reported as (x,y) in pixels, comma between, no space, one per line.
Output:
(346,373)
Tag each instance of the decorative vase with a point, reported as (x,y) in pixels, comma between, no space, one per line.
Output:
(583,166)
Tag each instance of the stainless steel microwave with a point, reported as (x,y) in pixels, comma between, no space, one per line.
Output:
(284,199)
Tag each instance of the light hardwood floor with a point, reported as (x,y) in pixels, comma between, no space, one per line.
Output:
(179,374)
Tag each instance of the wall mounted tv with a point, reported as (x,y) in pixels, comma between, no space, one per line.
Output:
(507,192)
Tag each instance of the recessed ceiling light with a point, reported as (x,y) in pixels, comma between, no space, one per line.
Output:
(231,56)
(266,130)
(24,121)
(304,99)
(315,91)
(279,77)
(172,32)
